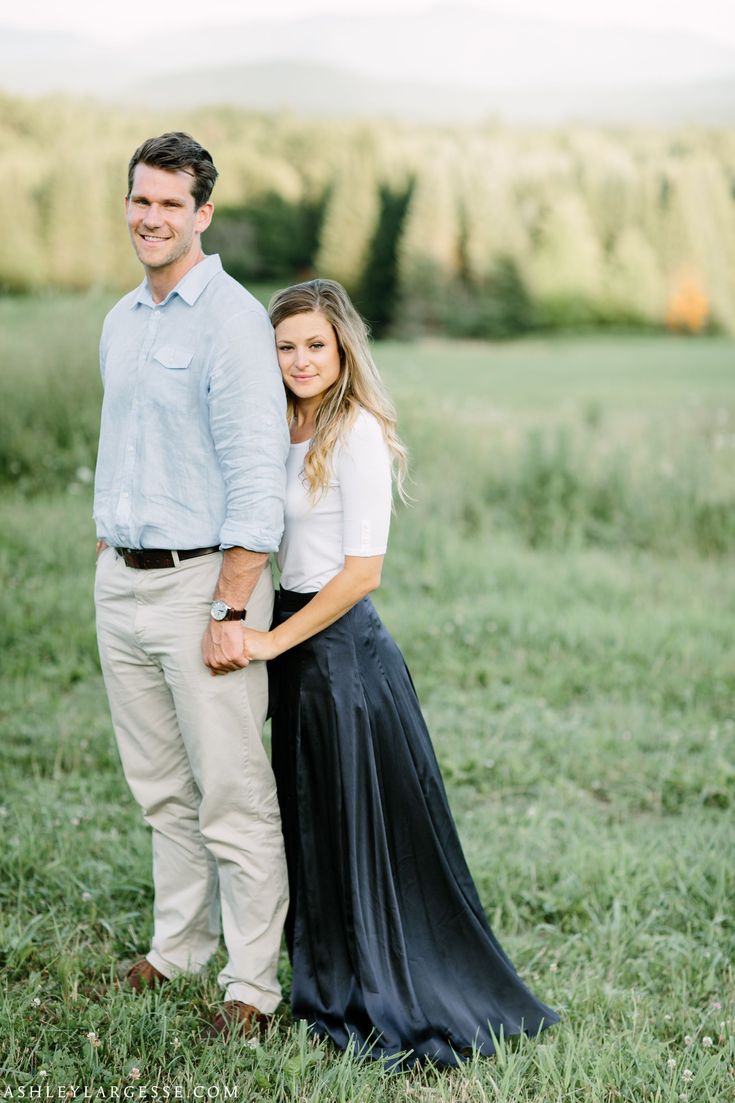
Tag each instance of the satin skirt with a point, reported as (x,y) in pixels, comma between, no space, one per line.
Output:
(390,948)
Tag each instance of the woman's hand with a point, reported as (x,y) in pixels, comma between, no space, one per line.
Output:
(258,645)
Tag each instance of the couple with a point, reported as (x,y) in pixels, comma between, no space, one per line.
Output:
(388,940)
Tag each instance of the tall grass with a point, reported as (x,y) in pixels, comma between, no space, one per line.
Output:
(579,688)
(534,434)
(581,706)
(50,389)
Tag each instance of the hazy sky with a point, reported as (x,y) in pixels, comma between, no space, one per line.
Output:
(137,23)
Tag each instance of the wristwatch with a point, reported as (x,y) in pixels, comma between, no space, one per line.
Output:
(220,610)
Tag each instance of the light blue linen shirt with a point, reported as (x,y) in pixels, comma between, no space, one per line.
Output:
(193,440)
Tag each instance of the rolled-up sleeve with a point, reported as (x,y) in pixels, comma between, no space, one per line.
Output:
(247,412)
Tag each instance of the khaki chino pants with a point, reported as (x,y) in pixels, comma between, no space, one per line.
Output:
(192,752)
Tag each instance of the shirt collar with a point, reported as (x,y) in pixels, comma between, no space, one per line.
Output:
(189,287)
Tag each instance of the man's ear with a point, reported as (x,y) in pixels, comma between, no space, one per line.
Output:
(204,217)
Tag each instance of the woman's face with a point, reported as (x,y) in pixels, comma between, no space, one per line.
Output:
(308,354)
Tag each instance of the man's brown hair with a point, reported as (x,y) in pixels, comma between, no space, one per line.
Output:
(178,151)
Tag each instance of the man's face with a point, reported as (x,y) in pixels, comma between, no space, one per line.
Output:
(163,222)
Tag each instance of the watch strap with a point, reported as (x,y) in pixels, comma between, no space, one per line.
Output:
(235,614)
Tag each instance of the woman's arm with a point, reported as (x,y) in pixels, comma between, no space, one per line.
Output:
(359,576)
(362,466)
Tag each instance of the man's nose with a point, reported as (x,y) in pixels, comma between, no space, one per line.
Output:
(153,215)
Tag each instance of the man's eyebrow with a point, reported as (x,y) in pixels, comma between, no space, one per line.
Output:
(169,199)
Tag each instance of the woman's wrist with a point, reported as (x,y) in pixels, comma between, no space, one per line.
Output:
(276,644)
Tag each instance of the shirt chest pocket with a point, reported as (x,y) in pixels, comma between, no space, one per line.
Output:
(171,380)
(173,357)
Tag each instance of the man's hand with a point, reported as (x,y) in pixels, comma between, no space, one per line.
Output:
(223,647)
(101,545)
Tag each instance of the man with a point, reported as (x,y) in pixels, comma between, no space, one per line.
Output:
(189,497)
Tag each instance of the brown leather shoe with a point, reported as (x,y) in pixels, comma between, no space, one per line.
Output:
(143,975)
(237,1017)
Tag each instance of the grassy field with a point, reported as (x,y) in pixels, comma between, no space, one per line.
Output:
(563,589)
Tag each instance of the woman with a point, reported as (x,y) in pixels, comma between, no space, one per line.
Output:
(387,937)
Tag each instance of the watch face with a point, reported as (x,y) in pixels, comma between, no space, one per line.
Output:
(219,610)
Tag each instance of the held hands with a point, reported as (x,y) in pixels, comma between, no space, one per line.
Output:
(228,646)
(222,647)
(259,645)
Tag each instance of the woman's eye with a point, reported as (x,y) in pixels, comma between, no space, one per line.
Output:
(317,345)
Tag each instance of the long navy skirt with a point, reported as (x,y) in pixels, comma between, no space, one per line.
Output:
(388,941)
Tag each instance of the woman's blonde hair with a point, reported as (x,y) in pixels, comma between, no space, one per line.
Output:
(358,384)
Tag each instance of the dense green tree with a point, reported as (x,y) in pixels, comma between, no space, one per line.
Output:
(350,221)
(491,224)
(566,266)
(633,288)
(430,227)
(699,234)
(376,296)
(429,251)
(23,257)
(270,237)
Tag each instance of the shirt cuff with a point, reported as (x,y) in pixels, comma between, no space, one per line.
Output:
(262,540)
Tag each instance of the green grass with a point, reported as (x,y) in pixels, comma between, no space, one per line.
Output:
(580,689)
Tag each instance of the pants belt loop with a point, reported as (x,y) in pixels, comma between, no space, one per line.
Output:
(175,557)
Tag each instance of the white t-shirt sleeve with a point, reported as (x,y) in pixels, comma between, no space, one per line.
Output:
(363,468)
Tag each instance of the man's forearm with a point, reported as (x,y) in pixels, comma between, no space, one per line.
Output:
(239,574)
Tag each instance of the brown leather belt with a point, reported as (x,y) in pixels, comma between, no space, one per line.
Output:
(151,559)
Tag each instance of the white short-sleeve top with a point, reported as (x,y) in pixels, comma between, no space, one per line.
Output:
(351,518)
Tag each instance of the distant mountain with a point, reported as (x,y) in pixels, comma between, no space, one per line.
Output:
(37,62)
(461,44)
(327,92)
(445,64)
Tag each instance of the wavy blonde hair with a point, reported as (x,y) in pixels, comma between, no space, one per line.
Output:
(358,384)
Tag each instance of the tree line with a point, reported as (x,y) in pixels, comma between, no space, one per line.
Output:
(476,230)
